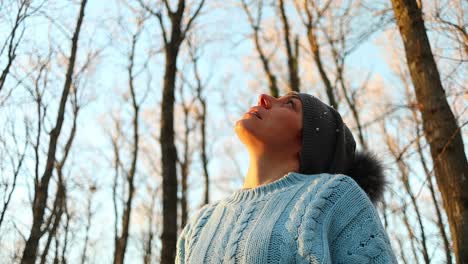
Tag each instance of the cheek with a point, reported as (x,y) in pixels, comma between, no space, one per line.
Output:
(285,129)
(281,120)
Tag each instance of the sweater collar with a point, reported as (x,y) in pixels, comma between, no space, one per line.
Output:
(289,179)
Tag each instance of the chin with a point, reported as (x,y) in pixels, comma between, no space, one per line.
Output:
(246,132)
(241,128)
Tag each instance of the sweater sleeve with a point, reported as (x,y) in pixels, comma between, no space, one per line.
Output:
(185,234)
(341,225)
(355,232)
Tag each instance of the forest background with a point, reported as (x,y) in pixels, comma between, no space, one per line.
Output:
(116,117)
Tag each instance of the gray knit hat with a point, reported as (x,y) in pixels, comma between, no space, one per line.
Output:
(329,147)
(327,143)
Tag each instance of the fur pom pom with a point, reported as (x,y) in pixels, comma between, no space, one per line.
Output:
(368,172)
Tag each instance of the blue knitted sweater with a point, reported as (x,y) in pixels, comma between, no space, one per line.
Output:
(299,218)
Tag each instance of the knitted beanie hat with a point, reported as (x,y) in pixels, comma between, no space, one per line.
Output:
(327,143)
(328,146)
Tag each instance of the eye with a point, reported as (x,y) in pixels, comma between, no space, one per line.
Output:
(292,102)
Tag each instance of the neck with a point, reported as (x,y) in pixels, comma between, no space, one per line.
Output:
(268,168)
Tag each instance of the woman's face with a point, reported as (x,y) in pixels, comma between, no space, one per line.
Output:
(274,124)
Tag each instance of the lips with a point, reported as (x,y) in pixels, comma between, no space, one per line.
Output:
(253,112)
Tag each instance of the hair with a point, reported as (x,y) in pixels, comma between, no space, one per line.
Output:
(368,172)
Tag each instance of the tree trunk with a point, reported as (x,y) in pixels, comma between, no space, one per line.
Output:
(169,155)
(122,240)
(404,174)
(291,53)
(41,188)
(202,118)
(310,23)
(255,24)
(440,126)
(178,32)
(311,36)
(439,220)
(203,153)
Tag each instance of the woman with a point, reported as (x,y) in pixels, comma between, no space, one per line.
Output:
(308,196)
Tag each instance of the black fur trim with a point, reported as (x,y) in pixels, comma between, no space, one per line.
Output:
(368,172)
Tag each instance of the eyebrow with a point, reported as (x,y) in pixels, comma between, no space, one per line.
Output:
(292,95)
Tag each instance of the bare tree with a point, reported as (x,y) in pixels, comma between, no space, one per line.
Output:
(121,238)
(66,230)
(11,43)
(172,42)
(404,174)
(148,240)
(16,160)
(59,205)
(292,52)
(41,187)
(310,21)
(186,160)
(89,217)
(202,113)
(409,228)
(403,256)
(454,27)
(199,114)
(255,23)
(340,49)
(117,164)
(404,76)
(440,126)
(337,29)
(55,218)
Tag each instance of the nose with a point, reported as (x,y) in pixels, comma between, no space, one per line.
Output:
(265,100)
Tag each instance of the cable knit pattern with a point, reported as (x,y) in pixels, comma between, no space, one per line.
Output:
(315,210)
(363,239)
(224,236)
(299,218)
(237,232)
(205,213)
(186,232)
(298,211)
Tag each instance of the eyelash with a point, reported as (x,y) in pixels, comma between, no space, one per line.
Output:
(292,102)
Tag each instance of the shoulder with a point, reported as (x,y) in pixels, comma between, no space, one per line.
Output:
(321,193)
(197,219)
(331,187)
(202,213)
(189,233)
(350,210)
(347,192)
(329,204)
(316,198)
(308,220)
(353,227)
(337,185)
(337,193)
